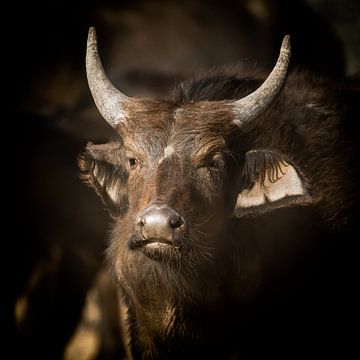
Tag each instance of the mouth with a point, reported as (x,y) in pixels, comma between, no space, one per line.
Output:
(158,245)
(157,249)
(156,242)
(151,243)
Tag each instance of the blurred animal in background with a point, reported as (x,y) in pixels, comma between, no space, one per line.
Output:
(146,45)
(223,147)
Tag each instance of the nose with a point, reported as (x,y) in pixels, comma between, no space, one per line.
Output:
(159,221)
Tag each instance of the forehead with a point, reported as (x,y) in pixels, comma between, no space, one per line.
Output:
(193,127)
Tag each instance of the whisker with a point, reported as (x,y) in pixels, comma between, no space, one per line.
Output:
(201,232)
(206,220)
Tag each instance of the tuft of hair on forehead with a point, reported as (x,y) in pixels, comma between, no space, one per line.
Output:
(215,87)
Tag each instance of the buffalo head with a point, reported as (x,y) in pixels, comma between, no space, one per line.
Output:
(181,168)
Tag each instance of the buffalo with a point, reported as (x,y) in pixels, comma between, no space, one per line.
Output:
(214,193)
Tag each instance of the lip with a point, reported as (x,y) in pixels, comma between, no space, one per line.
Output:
(152,243)
(157,245)
(160,250)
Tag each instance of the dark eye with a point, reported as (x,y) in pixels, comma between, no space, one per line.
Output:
(212,164)
(132,162)
(216,161)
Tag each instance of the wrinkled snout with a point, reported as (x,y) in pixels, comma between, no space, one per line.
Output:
(159,222)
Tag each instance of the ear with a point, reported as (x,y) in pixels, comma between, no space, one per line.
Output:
(104,169)
(269,181)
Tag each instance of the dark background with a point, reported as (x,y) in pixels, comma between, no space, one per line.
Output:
(55,249)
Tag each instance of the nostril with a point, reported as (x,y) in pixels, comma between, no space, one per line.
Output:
(140,221)
(176,221)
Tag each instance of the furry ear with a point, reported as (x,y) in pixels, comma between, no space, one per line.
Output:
(269,181)
(103,168)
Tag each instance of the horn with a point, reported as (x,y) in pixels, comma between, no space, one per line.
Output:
(258,101)
(108,99)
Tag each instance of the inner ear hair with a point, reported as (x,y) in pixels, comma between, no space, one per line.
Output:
(260,164)
(102,168)
(100,162)
(269,180)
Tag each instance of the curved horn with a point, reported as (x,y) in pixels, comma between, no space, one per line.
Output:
(258,101)
(107,98)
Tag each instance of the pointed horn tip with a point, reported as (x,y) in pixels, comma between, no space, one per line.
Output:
(285,45)
(92,39)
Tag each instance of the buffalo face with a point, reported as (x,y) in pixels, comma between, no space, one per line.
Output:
(165,181)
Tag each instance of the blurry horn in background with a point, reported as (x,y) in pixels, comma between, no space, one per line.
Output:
(258,101)
(108,99)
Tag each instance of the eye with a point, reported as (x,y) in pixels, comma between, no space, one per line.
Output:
(212,164)
(132,162)
(217,161)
